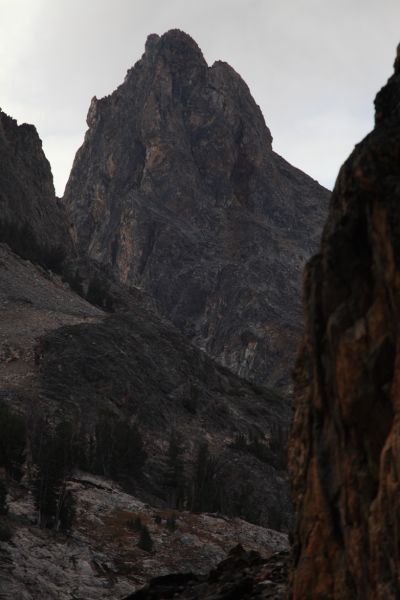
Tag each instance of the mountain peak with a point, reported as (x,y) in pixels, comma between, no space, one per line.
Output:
(179,39)
(175,46)
(177,189)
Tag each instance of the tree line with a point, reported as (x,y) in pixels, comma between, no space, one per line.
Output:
(50,452)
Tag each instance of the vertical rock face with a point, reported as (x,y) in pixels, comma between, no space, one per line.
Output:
(31,221)
(345,442)
(177,188)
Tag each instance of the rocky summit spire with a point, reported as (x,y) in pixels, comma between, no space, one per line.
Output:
(176,187)
(344,447)
(177,47)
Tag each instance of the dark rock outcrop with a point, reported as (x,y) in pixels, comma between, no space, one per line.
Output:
(242,576)
(101,559)
(178,190)
(31,220)
(344,449)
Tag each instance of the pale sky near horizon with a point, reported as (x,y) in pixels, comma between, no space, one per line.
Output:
(313,66)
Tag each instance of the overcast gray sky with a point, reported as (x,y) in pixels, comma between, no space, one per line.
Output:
(314,66)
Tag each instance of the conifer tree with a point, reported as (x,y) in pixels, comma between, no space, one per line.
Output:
(66,510)
(53,455)
(145,542)
(119,447)
(200,476)
(12,442)
(208,493)
(175,476)
(171,522)
(3,498)
(129,455)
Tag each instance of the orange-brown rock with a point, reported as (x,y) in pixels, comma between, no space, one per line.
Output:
(344,450)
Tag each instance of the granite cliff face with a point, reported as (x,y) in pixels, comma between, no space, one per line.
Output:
(344,447)
(31,220)
(177,189)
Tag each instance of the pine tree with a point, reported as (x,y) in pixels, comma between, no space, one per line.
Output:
(66,510)
(47,481)
(145,542)
(171,522)
(53,455)
(12,442)
(3,498)
(119,447)
(208,493)
(104,437)
(6,532)
(129,455)
(135,524)
(200,477)
(175,476)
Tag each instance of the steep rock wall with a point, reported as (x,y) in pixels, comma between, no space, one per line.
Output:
(345,440)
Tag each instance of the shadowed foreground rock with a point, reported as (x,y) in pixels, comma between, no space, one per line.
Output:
(242,576)
(345,439)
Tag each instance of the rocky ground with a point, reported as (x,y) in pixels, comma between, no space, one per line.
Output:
(243,575)
(101,557)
